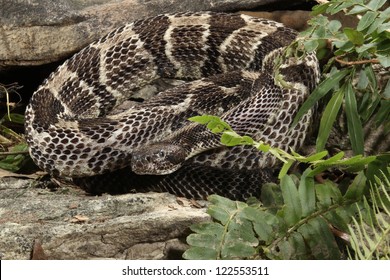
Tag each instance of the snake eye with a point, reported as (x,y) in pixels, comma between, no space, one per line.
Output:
(161,153)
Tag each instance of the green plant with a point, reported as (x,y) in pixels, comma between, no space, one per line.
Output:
(13,148)
(295,220)
(370,231)
(300,218)
(350,73)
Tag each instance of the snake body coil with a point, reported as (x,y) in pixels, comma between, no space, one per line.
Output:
(74,127)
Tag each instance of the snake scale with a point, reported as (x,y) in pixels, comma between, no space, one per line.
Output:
(77,127)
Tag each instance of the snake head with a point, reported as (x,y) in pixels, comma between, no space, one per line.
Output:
(157,159)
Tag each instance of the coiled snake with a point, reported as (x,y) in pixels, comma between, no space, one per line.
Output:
(76,128)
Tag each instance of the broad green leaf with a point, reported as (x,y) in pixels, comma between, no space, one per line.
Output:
(225,203)
(384,60)
(334,26)
(384,28)
(355,129)
(262,222)
(298,244)
(320,9)
(374,26)
(241,229)
(311,45)
(327,194)
(200,253)
(219,214)
(322,89)
(356,37)
(292,248)
(238,250)
(240,240)
(307,194)
(366,20)
(231,138)
(320,239)
(357,187)
(293,208)
(271,196)
(339,6)
(376,4)
(328,117)
(203,240)
(357,10)
(209,228)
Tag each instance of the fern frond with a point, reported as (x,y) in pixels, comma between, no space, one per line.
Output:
(370,232)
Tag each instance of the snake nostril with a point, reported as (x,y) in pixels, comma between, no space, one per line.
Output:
(148,159)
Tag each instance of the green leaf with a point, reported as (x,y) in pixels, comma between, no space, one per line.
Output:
(260,222)
(292,248)
(293,209)
(356,188)
(327,194)
(328,118)
(239,240)
(384,60)
(203,240)
(286,166)
(339,6)
(316,156)
(219,214)
(355,129)
(357,10)
(334,26)
(238,250)
(209,227)
(16,118)
(324,165)
(271,196)
(14,162)
(375,5)
(357,160)
(200,253)
(307,194)
(320,240)
(366,20)
(356,37)
(201,119)
(311,45)
(322,89)
(320,9)
(230,138)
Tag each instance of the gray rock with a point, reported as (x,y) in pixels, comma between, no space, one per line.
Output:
(67,224)
(37,32)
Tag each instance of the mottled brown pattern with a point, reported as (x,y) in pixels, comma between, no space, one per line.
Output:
(72,130)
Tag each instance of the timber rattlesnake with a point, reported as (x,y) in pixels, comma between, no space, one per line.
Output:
(74,129)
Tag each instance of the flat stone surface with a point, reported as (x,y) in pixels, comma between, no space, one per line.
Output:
(68,224)
(37,32)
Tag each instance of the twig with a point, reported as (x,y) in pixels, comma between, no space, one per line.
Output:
(357,62)
(13,153)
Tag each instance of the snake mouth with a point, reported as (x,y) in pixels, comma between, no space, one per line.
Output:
(157,159)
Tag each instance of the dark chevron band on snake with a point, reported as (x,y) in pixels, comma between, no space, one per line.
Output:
(76,128)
